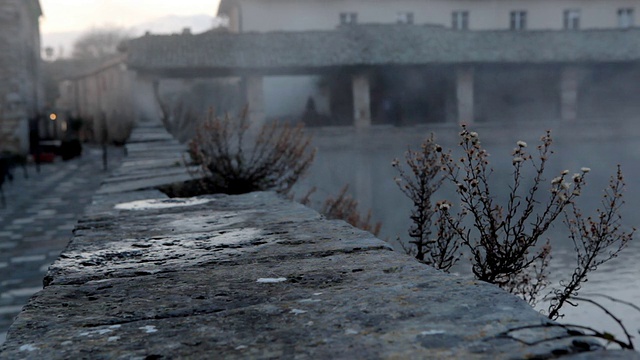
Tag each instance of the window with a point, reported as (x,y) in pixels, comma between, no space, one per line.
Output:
(348,18)
(460,20)
(518,20)
(572,19)
(405,17)
(625,17)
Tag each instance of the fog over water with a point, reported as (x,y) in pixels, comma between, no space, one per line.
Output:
(362,159)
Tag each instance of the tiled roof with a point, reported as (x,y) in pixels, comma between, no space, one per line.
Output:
(364,45)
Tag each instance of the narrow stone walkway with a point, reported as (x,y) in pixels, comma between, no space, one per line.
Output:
(37,222)
(257,276)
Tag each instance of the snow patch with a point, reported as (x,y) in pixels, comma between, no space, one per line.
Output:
(161,203)
(271,280)
(309,300)
(433,332)
(149,329)
(28,347)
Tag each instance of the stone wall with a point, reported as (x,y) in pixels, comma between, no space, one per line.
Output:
(255,276)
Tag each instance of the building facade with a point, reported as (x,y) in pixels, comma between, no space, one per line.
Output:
(291,15)
(21,91)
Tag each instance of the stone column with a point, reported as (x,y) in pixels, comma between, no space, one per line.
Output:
(361,101)
(255,99)
(464,95)
(569,94)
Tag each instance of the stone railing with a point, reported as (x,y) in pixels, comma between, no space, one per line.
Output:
(255,276)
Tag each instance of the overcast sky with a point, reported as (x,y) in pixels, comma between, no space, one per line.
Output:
(73,15)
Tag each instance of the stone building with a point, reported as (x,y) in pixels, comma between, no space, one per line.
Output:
(483,82)
(435,74)
(104,97)
(20,71)
(366,72)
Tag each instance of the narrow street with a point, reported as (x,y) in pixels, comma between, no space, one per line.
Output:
(36,223)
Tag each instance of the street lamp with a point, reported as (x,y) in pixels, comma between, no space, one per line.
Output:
(53,117)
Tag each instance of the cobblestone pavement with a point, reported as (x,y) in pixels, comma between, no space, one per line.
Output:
(36,223)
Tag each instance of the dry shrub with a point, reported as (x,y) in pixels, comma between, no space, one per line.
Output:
(504,239)
(276,157)
(596,240)
(345,207)
(419,184)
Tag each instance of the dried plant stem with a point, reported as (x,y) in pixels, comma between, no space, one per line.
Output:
(419,184)
(344,207)
(596,240)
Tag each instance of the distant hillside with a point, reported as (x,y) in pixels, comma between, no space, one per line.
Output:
(62,42)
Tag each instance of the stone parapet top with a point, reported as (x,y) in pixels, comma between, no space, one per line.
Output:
(255,276)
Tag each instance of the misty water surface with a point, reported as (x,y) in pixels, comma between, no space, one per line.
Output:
(362,158)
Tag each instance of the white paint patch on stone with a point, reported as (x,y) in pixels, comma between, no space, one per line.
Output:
(433,332)
(309,301)
(113,338)
(115,326)
(297,311)
(317,294)
(149,329)
(351,332)
(28,347)
(271,280)
(161,203)
(241,347)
